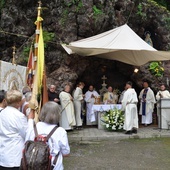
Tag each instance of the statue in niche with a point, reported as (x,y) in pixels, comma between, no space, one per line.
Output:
(148,38)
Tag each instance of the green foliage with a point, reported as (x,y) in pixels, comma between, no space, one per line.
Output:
(97,14)
(140,11)
(47,36)
(26,51)
(2,3)
(72,2)
(96,11)
(79,6)
(163,5)
(156,68)
(64,17)
(162,2)
(160,5)
(78,3)
(167,20)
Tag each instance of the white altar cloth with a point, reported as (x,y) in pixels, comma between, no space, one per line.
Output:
(101,108)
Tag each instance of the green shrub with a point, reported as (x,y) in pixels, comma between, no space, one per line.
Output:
(156,68)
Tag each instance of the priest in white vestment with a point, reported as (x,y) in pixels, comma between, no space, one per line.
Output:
(147,101)
(67,120)
(162,93)
(129,105)
(110,97)
(165,116)
(121,95)
(78,99)
(90,100)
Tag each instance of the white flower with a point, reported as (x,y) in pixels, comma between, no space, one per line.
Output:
(120,127)
(113,127)
(113,118)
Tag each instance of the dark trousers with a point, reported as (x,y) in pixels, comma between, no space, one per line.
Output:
(6,168)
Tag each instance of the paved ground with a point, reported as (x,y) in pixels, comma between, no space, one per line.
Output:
(93,133)
(93,149)
(124,154)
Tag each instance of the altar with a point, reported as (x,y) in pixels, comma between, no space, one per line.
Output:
(97,110)
(163,112)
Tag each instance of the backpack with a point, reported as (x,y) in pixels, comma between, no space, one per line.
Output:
(36,154)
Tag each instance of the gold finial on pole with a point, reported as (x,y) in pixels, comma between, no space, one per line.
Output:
(39,3)
(39,8)
(13,55)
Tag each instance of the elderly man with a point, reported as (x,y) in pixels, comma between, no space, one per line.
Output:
(147,100)
(67,116)
(109,97)
(90,100)
(162,93)
(163,116)
(52,95)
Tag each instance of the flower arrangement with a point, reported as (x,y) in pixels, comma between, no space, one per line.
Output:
(113,119)
(156,68)
(117,91)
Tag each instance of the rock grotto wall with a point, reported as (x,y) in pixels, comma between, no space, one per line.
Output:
(71,20)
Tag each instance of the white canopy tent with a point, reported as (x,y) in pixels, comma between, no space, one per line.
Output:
(121,44)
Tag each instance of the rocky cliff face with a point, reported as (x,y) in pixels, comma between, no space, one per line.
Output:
(71,20)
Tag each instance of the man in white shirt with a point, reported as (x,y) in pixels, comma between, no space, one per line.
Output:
(90,100)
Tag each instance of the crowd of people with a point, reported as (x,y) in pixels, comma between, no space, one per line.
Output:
(17,127)
(72,105)
(147,101)
(64,110)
